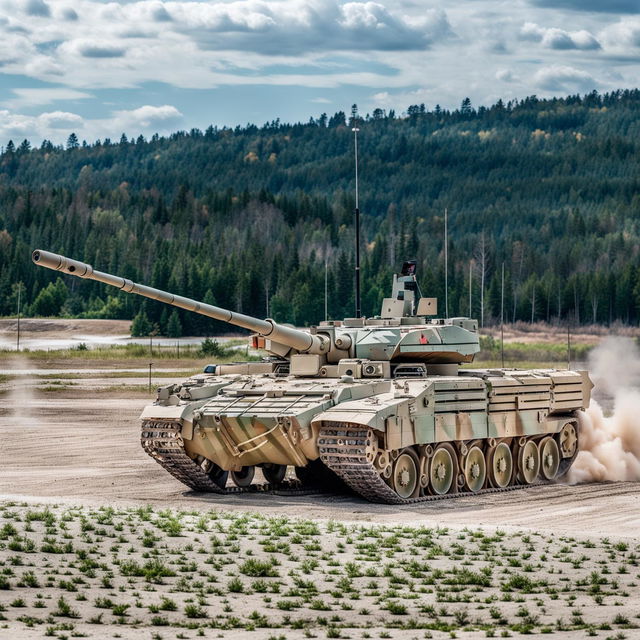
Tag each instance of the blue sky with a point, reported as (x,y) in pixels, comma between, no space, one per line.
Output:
(101,68)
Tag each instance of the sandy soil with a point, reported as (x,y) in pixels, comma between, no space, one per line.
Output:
(72,444)
(61,327)
(76,449)
(127,573)
(541,332)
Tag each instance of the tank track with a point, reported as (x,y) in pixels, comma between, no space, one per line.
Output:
(342,449)
(162,440)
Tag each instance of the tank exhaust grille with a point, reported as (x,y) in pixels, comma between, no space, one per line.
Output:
(410,371)
(282,369)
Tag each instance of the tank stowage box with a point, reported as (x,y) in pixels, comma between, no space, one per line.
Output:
(380,402)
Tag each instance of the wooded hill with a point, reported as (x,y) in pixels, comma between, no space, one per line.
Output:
(246,218)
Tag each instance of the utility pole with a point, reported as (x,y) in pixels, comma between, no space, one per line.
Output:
(502,318)
(266,293)
(470,281)
(357,225)
(446,266)
(18,338)
(326,290)
(151,334)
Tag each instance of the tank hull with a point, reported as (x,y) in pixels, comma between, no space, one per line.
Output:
(391,440)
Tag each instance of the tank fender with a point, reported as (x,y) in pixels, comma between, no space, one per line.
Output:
(361,389)
(404,416)
(177,403)
(587,385)
(182,413)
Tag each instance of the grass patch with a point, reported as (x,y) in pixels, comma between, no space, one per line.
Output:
(212,572)
(141,352)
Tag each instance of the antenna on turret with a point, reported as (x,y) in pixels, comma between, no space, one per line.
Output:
(357,225)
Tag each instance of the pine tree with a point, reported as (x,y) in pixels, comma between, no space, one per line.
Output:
(174,326)
(140,327)
(72,141)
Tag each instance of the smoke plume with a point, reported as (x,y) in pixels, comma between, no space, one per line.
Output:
(610,445)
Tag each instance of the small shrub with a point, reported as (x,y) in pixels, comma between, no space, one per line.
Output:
(397,608)
(64,609)
(258,568)
(166,604)
(235,585)
(194,611)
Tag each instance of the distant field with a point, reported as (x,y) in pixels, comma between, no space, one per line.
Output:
(528,346)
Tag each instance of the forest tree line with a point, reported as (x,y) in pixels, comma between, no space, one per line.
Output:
(258,219)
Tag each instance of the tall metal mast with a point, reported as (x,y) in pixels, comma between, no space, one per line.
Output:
(357,226)
(18,339)
(446,266)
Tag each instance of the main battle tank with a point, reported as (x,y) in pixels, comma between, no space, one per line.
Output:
(380,403)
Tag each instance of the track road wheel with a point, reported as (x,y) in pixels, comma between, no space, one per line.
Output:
(274,473)
(500,463)
(405,478)
(549,458)
(218,476)
(244,477)
(568,440)
(528,462)
(475,469)
(442,472)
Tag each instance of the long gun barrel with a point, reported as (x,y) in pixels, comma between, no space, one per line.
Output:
(294,338)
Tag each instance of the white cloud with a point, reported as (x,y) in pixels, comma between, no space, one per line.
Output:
(146,117)
(382,53)
(206,44)
(61,120)
(554,38)
(57,125)
(623,35)
(69,13)
(37,8)
(402,99)
(34,97)
(561,79)
(605,6)
(298,26)
(505,75)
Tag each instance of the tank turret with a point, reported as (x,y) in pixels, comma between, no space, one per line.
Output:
(400,334)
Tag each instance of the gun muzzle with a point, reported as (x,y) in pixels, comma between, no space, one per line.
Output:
(61,263)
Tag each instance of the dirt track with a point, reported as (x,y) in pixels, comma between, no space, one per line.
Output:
(75,446)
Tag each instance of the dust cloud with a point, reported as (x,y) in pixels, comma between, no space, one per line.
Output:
(610,445)
(22,397)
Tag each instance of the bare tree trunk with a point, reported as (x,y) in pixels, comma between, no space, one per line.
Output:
(516,284)
(547,315)
(470,287)
(392,251)
(481,255)
(533,304)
